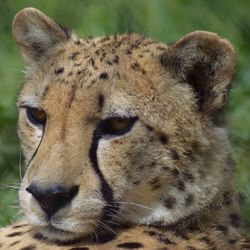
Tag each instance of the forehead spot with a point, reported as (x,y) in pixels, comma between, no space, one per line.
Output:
(104,76)
(74,56)
(163,139)
(59,70)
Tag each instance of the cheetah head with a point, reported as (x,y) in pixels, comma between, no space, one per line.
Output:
(119,129)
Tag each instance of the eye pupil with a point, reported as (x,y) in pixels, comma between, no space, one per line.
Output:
(118,124)
(36,116)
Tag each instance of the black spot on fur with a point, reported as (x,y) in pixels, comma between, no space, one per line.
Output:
(181,233)
(59,71)
(174,171)
(189,155)
(136,66)
(189,200)
(164,139)
(130,245)
(174,155)
(207,241)
(77,42)
(45,91)
(227,198)
(136,182)
(77,64)
(19,226)
(222,228)
(104,76)
(116,59)
(170,202)
(38,236)
(108,62)
(160,48)
(149,128)
(155,183)
(160,237)
(74,56)
(79,72)
(188,177)
(30,247)
(232,241)
(79,248)
(181,185)
(14,243)
(92,62)
(15,234)
(128,52)
(192,248)
(235,220)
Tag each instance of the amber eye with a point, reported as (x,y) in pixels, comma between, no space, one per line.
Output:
(36,116)
(116,125)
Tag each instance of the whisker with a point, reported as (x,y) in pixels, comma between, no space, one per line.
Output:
(135,204)
(112,222)
(4,186)
(95,237)
(20,165)
(103,225)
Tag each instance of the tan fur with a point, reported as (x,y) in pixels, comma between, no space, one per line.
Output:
(171,174)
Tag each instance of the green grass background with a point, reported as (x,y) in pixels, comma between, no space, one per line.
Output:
(166,20)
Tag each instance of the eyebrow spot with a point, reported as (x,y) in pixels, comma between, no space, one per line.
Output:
(104,76)
(59,71)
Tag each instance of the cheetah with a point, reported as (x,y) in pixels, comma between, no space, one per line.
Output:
(123,141)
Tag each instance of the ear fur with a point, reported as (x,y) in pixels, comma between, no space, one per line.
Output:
(206,62)
(36,33)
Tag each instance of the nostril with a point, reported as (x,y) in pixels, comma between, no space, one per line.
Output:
(54,198)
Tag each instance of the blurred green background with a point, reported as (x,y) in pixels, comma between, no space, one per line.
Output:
(166,20)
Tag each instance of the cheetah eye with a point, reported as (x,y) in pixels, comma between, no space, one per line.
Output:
(116,125)
(36,116)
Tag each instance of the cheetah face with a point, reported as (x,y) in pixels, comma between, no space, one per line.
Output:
(118,129)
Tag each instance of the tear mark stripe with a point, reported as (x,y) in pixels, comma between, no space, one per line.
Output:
(34,154)
(106,190)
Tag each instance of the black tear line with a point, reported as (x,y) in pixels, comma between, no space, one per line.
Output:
(111,208)
(34,154)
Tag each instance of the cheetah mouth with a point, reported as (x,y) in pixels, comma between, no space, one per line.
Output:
(61,230)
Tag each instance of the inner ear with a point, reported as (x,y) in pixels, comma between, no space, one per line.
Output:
(199,73)
(205,62)
(36,33)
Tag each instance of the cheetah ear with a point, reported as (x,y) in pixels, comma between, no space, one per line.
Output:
(207,63)
(36,33)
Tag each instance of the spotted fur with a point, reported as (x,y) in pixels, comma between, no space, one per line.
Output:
(167,183)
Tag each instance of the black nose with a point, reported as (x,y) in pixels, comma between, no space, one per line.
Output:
(54,198)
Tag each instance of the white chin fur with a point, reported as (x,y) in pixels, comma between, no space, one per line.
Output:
(59,231)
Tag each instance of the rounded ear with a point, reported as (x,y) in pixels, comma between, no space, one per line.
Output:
(35,33)
(207,63)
